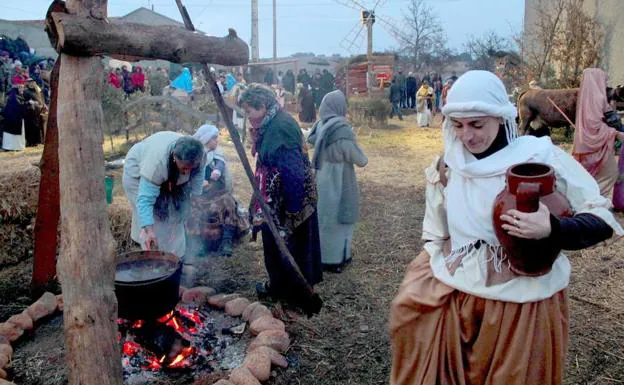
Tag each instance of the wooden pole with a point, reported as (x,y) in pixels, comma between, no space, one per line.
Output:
(86,265)
(255,49)
(275,40)
(369,53)
(48,207)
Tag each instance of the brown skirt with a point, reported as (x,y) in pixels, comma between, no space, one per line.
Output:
(443,336)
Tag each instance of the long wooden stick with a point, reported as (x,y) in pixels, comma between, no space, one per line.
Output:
(49,203)
(313,302)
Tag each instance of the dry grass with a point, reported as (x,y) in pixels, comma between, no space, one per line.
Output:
(348,342)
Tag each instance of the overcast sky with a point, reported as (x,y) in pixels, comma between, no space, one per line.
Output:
(317,26)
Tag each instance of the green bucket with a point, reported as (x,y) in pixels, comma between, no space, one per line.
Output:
(108,184)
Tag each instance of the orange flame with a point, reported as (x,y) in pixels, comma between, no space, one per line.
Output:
(131,348)
(193,316)
(166,317)
(153,364)
(179,360)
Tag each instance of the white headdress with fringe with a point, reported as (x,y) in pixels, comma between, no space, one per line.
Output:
(479,93)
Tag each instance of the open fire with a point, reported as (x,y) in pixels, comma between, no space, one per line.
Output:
(182,339)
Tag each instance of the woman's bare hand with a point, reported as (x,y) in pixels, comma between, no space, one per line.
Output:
(528,225)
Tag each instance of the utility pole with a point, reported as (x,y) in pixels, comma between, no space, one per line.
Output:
(368,17)
(275,39)
(255,49)
(369,48)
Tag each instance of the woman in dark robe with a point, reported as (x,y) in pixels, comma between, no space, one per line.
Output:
(286,181)
(289,81)
(13,128)
(33,118)
(308,108)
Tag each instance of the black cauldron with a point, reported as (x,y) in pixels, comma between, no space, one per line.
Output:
(147,284)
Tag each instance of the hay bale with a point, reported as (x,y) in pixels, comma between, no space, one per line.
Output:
(120,219)
(18,209)
(19,191)
(16,242)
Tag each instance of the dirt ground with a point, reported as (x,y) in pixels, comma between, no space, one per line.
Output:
(348,342)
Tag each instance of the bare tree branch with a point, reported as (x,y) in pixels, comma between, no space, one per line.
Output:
(562,41)
(422,35)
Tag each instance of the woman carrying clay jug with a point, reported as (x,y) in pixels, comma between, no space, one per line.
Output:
(461,315)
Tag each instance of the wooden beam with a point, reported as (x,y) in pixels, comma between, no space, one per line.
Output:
(86,265)
(87,36)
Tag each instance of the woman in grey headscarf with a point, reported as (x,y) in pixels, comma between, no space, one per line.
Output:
(335,153)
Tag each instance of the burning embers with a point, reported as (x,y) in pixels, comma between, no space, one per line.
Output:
(182,339)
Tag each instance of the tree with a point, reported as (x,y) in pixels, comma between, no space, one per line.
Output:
(538,42)
(422,36)
(577,46)
(484,49)
(561,42)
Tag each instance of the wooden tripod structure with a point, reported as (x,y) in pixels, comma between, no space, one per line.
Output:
(80,32)
(73,158)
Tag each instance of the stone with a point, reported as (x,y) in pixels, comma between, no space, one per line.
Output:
(259,311)
(220,300)
(22,321)
(43,307)
(259,364)
(10,331)
(6,349)
(242,376)
(197,295)
(4,360)
(249,309)
(223,382)
(266,322)
(49,301)
(236,307)
(274,339)
(37,311)
(276,358)
(59,302)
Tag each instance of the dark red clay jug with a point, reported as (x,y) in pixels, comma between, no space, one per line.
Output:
(527,185)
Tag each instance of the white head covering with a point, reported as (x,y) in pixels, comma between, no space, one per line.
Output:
(206,132)
(479,93)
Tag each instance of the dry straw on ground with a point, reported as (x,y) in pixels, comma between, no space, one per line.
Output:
(348,342)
